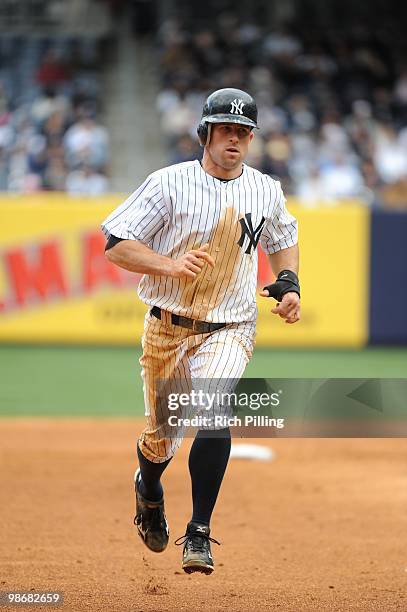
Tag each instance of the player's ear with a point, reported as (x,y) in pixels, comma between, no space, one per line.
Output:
(251,136)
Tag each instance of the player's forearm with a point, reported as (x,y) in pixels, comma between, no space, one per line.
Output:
(286,259)
(135,256)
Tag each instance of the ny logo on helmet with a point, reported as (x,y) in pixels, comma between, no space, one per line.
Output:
(237,107)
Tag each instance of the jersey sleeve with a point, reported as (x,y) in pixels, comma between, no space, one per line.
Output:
(281,228)
(141,216)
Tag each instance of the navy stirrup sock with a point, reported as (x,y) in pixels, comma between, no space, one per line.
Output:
(150,486)
(208,459)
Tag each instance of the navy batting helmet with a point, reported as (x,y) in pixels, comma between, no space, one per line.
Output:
(227,105)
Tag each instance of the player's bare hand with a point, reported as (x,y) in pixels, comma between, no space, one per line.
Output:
(289,307)
(190,264)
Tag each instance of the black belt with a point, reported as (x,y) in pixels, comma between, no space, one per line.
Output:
(200,327)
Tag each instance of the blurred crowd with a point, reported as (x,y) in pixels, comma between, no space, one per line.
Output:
(332,103)
(50,135)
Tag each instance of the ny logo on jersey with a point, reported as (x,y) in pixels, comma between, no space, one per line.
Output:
(237,107)
(252,234)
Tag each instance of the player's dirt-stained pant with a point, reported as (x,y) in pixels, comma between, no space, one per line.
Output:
(175,360)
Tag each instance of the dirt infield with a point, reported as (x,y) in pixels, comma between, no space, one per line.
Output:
(320,528)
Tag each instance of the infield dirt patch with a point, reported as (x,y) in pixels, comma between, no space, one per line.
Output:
(322,527)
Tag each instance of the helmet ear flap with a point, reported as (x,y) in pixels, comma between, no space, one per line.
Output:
(202,132)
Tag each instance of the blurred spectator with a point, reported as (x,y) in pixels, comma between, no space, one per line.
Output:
(281,44)
(55,172)
(86,142)
(186,148)
(47,103)
(311,190)
(390,157)
(340,178)
(277,151)
(394,195)
(52,71)
(178,120)
(6,131)
(86,181)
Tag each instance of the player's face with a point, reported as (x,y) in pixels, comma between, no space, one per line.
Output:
(228,144)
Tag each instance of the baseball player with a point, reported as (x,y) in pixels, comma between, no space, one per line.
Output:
(192,230)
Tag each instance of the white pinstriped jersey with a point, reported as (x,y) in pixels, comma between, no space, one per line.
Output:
(182,207)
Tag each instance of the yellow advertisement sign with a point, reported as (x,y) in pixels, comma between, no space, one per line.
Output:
(57,286)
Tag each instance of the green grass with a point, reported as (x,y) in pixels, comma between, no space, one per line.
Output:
(86,381)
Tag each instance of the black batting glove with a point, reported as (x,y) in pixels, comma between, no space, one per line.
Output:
(287,281)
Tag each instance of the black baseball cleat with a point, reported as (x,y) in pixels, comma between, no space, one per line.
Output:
(150,520)
(197,555)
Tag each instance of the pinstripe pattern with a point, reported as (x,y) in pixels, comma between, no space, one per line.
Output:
(182,358)
(182,207)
